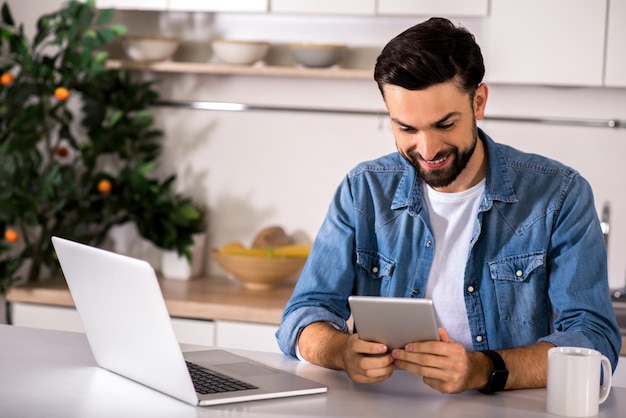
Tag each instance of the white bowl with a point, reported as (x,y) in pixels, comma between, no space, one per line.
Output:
(316,55)
(142,48)
(239,52)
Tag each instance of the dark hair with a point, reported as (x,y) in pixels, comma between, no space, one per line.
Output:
(429,53)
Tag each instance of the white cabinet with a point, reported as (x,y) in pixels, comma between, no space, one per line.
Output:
(219,5)
(133,4)
(60,318)
(45,316)
(470,8)
(336,7)
(382,7)
(194,331)
(615,75)
(187,5)
(246,335)
(546,42)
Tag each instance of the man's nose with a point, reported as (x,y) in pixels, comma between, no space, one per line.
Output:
(427,145)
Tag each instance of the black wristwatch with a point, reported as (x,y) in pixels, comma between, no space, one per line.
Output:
(500,373)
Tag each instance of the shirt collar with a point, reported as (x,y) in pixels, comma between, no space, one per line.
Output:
(498,184)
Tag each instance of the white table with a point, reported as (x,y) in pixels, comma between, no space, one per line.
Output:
(53,374)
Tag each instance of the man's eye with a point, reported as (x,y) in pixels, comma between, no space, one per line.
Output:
(445,126)
(406,128)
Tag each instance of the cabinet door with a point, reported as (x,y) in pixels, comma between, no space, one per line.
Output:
(433,7)
(219,5)
(194,331)
(245,335)
(616,45)
(132,4)
(551,42)
(336,7)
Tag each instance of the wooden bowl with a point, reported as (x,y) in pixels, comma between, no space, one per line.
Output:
(258,273)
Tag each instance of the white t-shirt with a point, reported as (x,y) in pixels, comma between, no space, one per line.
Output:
(452,218)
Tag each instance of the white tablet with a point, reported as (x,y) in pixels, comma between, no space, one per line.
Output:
(394,322)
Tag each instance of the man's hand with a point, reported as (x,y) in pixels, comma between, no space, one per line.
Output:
(365,362)
(445,365)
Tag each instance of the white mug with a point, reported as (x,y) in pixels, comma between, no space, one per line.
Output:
(573,386)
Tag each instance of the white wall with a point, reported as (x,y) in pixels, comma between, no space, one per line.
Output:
(254,169)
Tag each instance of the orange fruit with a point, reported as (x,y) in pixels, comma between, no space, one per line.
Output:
(104,186)
(61,93)
(6,79)
(11,235)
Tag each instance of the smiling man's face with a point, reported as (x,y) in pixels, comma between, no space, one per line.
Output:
(435,130)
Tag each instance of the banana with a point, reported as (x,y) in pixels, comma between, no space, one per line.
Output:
(292,250)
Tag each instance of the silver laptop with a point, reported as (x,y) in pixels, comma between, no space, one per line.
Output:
(130,333)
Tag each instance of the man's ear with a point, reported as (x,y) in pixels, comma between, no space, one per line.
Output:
(480,101)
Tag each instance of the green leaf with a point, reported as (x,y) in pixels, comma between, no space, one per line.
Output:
(5,33)
(115,117)
(7,18)
(18,46)
(84,17)
(100,57)
(106,35)
(144,117)
(146,168)
(118,29)
(104,17)
(189,212)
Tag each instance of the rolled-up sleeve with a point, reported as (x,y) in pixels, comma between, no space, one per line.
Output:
(578,283)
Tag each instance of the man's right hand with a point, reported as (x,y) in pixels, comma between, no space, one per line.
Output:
(365,362)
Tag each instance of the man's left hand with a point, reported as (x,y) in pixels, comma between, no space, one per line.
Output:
(444,365)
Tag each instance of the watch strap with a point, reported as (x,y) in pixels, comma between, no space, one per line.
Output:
(496,359)
(498,377)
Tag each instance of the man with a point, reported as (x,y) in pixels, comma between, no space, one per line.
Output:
(507,244)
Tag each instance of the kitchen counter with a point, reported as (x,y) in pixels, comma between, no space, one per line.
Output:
(201,298)
(214,298)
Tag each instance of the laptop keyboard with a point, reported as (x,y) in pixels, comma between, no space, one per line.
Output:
(207,381)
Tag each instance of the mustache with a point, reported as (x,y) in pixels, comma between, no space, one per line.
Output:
(416,156)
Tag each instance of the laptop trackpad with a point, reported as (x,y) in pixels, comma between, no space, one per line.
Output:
(246,369)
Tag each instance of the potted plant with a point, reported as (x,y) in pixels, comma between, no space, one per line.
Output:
(77,145)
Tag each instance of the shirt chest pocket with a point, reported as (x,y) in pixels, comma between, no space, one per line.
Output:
(520,287)
(373,273)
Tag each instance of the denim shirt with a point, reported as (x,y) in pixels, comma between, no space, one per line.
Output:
(536,269)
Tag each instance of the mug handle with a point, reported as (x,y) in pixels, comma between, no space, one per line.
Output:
(605,389)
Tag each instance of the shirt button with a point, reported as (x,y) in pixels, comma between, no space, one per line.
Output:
(479,338)
(428,244)
(374,269)
(519,273)
(470,289)
(415,292)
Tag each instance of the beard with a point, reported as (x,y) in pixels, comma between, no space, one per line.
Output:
(443,177)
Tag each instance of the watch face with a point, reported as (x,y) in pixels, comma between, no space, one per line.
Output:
(498,380)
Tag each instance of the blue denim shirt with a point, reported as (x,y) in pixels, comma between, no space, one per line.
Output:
(536,271)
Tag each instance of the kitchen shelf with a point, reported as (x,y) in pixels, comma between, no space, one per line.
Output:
(255,70)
